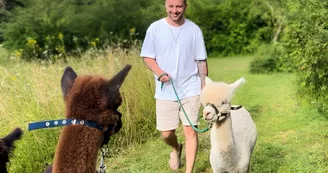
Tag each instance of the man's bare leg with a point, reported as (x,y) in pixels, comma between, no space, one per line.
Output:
(191,147)
(171,139)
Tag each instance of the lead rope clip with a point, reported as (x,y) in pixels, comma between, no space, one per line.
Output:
(102,166)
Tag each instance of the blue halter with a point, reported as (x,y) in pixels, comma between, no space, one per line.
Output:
(62,122)
(66,122)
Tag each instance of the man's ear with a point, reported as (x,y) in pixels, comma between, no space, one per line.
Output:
(67,80)
(113,85)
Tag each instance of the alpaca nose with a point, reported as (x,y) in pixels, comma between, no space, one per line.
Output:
(206,115)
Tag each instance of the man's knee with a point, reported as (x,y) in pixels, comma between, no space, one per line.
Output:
(189,132)
(168,134)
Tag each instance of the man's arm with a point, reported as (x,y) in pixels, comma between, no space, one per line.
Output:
(202,70)
(153,66)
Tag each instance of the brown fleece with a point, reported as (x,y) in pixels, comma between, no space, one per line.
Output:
(6,146)
(84,101)
(78,144)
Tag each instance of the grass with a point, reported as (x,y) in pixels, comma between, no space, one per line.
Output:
(291,137)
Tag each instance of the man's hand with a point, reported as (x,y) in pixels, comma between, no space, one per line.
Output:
(164,77)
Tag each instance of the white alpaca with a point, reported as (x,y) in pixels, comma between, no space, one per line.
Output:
(233,132)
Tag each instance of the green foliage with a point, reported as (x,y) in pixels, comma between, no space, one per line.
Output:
(3,55)
(306,44)
(6,13)
(62,27)
(4,17)
(263,65)
(231,27)
(263,61)
(302,28)
(269,59)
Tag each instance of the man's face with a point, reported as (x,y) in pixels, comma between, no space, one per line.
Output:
(175,9)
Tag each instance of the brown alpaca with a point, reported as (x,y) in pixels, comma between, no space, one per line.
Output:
(88,98)
(7,145)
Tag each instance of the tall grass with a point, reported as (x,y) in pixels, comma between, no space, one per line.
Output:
(31,92)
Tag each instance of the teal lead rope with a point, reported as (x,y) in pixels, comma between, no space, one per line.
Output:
(176,94)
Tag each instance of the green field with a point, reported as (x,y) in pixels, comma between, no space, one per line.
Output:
(291,137)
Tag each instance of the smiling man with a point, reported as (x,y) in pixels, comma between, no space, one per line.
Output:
(174,50)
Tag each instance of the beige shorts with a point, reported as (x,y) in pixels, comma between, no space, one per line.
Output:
(168,113)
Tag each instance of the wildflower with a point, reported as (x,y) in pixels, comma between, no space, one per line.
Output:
(13,78)
(93,43)
(60,36)
(17,53)
(31,42)
(132,31)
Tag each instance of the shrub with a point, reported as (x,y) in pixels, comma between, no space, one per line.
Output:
(307,49)
(231,27)
(263,65)
(67,27)
(268,59)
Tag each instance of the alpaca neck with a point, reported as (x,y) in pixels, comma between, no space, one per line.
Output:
(77,149)
(222,138)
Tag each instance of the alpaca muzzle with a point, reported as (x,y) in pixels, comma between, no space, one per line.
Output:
(218,115)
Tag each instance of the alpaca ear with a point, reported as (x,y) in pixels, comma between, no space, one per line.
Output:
(208,80)
(13,136)
(238,83)
(67,81)
(114,84)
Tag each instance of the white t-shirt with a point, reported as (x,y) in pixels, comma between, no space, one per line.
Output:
(176,50)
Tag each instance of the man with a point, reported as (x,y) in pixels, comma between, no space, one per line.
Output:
(174,49)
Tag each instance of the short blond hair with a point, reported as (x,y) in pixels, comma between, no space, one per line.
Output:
(185,1)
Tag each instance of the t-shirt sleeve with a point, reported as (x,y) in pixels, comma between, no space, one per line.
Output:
(200,49)
(147,49)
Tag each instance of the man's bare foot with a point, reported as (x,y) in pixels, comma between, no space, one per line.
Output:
(175,158)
